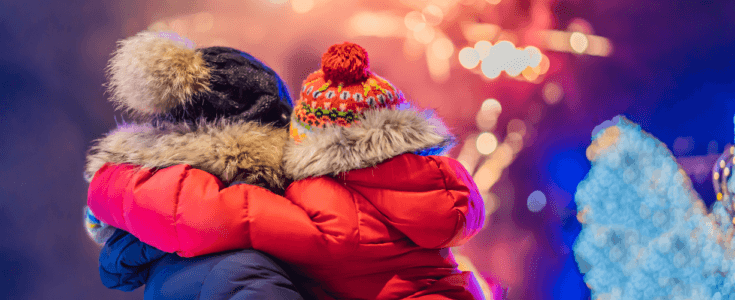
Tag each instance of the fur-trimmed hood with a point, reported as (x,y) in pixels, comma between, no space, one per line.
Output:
(377,136)
(232,151)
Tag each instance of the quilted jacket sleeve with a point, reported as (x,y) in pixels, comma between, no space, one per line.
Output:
(188,211)
(431,199)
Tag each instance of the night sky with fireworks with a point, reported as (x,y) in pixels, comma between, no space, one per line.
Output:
(522,83)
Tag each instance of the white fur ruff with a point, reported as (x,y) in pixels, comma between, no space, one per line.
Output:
(377,136)
(232,151)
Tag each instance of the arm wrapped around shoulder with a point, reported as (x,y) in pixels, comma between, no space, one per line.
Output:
(187,211)
(176,209)
(431,199)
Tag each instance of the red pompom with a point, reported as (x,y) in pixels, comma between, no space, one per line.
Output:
(345,63)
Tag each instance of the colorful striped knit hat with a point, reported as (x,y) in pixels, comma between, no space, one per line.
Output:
(341,91)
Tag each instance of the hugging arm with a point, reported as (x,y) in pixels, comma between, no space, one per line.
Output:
(188,211)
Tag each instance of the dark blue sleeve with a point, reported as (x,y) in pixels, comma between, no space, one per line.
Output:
(249,274)
(237,275)
(125,261)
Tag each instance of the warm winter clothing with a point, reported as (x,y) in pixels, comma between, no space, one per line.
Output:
(159,75)
(341,91)
(379,229)
(218,109)
(126,264)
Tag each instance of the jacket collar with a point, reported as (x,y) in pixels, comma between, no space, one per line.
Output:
(377,136)
(232,151)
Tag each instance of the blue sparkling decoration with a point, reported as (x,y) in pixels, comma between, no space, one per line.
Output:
(646,233)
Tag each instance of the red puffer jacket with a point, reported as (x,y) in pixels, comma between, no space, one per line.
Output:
(379,232)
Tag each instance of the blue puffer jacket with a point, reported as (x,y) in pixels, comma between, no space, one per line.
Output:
(126,264)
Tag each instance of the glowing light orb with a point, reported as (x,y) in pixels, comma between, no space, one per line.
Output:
(414,20)
(516,62)
(487,117)
(469,58)
(579,42)
(544,64)
(504,48)
(302,6)
(486,143)
(552,93)
(530,74)
(483,48)
(425,35)
(442,48)
(517,126)
(491,68)
(374,24)
(536,201)
(433,14)
(534,56)
(492,105)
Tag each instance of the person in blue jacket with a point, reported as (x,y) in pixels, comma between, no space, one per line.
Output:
(217,109)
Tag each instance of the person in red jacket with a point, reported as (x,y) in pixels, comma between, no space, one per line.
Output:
(372,211)
(209,108)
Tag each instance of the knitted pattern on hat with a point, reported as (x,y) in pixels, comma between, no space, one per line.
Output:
(341,91)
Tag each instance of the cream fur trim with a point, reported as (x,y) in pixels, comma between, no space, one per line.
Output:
(379,135)
(153,72)
(241,151)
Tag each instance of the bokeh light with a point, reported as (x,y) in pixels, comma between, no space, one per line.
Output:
(380,24)
(486,143)
(424,35)
(487,117)
(544,64)
(682,145)
(515,141)
(302,6)
(536,201)
(414,20)
(483,48)
(433,14)
(442,48)
(552,93)
(534,55)
(412,49)
(598,46)
(530,74)
(492,105)
(491,68)
(578,41)
(474,32)
(518,126)
(504,56)
(469,58)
